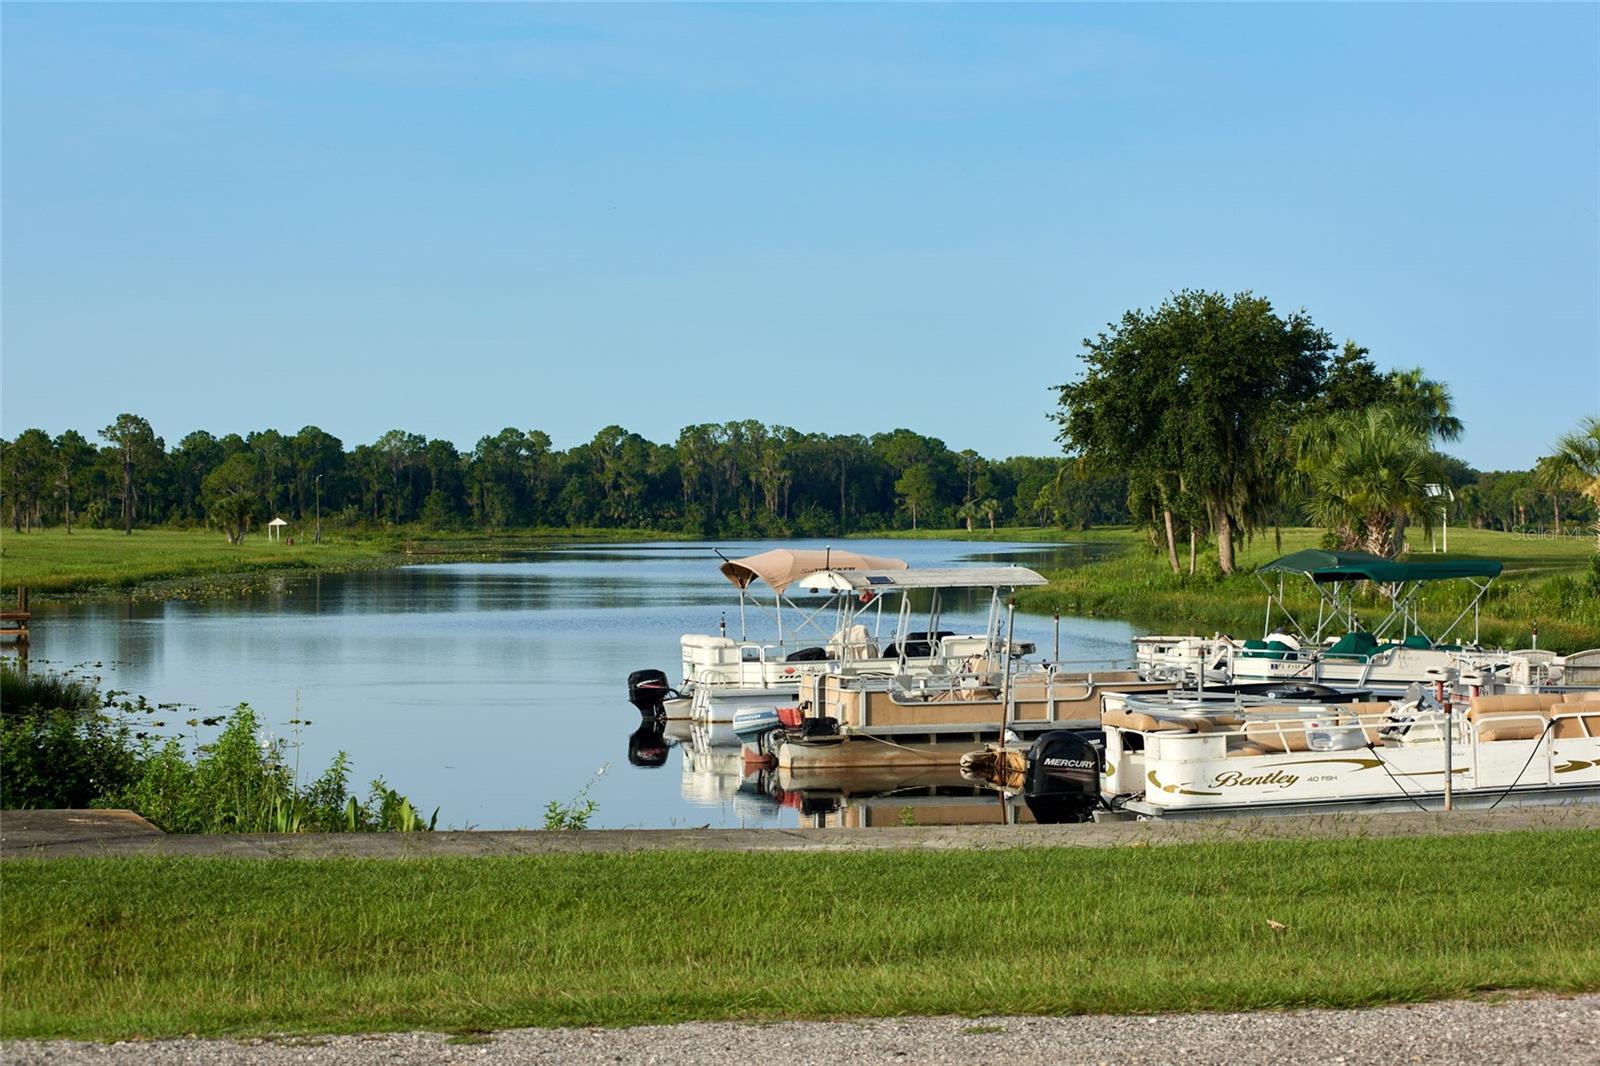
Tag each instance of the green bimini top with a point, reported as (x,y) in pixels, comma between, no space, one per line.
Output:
(1323,567)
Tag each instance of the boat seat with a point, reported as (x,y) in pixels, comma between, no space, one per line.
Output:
(1516,703)
(1371,715)
(1505,728)
(1576,728)
(1145,723)
(1268,736)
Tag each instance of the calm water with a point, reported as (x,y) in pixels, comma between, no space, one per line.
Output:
(488,689)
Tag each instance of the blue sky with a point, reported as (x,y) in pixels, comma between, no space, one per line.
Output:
(451,219)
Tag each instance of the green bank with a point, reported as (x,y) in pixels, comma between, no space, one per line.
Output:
(115,949)
(1552,583)
(178,561)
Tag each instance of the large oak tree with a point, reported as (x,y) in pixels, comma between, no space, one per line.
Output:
(1193,398)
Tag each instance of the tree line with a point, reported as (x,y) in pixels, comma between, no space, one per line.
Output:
(725,479)
(1207,420)
(1228,419)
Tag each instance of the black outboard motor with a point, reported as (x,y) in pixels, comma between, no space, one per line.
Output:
(648,744)
(647,690)
(1063,782)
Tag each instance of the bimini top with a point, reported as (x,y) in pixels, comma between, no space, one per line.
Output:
(952,577)
(782,567)
(1324,566)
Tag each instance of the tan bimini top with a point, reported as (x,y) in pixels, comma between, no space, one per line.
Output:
(782,567)
(950,577)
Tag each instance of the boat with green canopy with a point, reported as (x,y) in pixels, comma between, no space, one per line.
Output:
(1338,647)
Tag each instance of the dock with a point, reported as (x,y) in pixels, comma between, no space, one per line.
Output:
(14,624)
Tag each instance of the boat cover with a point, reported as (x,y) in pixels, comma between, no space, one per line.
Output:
(950,577)
(782,567)
(1325,566)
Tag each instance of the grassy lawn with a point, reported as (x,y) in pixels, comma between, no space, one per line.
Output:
(1026,534)
(1544,582)
(106,949)
(50,561)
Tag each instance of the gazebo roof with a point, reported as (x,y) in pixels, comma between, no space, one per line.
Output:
(277,522)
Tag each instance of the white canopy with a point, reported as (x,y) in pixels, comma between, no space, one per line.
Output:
(782,567)
(955,577)
(277,522)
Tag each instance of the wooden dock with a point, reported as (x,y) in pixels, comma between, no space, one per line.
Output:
(14,623)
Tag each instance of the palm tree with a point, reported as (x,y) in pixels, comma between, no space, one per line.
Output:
(1579,453)
(1368,474)
(1555,474)
(1422,402)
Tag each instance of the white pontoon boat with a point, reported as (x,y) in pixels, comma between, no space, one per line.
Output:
(843,632)
(1388,658)
(1162,761)
(942,692)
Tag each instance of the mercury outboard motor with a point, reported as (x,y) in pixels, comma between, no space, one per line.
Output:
(647,689)
(1063,780)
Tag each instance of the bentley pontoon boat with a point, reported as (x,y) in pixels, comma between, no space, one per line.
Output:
(1157,762)
(1388,658)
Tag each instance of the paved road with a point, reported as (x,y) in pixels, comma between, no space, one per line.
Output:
(1535,1030)
(66,834)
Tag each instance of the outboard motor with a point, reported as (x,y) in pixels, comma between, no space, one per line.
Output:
(647,690)
(1063,781)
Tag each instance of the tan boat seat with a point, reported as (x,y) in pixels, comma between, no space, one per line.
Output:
(1579,728)
(1518,703)
(1268,736)
(1505,728)
(1371,715)
(1144,723)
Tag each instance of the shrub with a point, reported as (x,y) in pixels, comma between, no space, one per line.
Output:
(242,783)
(65,745)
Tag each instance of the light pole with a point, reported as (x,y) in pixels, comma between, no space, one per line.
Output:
(1445,496)
(318,538)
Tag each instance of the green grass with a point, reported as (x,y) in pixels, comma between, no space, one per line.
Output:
(51,561)
(105,949)
(1025,534)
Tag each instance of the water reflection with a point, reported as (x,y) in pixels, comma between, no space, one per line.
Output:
(489,689)
(648,745)
(717,770)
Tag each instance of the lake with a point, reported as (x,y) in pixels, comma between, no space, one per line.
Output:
(490,689)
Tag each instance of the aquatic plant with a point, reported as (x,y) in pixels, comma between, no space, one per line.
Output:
(25,691)
(64,744)
(242,783)
(576,812)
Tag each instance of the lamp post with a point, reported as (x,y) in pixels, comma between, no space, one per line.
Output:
(1445,496)
(318,538)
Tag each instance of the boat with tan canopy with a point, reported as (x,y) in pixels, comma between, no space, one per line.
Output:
(842,630)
